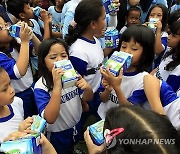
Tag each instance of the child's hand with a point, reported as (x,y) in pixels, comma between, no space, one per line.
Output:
(145,24)
(47,147)
(57,74)
(114,81)
(25,32)
(92,148)
(26,124)
(158,24)
(106,85)
(17,135)
(82,84)
(44,15)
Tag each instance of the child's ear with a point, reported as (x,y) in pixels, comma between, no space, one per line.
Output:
(93,24)
(21,15)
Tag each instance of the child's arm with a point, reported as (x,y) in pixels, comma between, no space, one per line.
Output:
(36,43)
(23,58)
(88,93)
(108,88)
(51,111)
(152,91)
(46,19)
(158,43)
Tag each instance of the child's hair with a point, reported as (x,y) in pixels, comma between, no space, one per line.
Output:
(142,125)
(86,12)
(175,30)
(15,7)
(146,38)
(174,16)
(164,14)
(133,8)
(42,53)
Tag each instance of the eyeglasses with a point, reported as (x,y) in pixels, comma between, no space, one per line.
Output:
(5,26)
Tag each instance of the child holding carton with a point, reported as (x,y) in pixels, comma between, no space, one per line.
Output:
(60,107)
(127,87)
(11,108)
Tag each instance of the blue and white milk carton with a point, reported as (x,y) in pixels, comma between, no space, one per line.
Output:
(111,36)
(70,76)
(28,145)
(96,132)
(109,6)
(151,23)
(38,124)
(118,60)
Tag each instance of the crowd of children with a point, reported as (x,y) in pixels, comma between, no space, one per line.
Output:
(30,84)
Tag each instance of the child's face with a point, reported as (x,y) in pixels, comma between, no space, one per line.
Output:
(133,48)
(156,13)
(99,25)
(28,12)
(134,2)
(56,53)
(133,18)
(6,90)
(5,38)
(173,40)
(37,2)
(59,2)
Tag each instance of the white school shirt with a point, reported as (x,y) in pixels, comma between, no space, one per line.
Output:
(11,123)
(171,77)
(133,89)
(70,109)
(56,19)
(92,53)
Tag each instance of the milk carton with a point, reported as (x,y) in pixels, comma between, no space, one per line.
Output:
(70,76)
(111,37)
(27,145)
(151,23)
(14,30)
(117,61)
(37,11)
(38,124)
(109,6)
(96,132)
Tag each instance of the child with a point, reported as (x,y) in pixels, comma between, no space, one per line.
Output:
(14,58)
(60,107)
(22,10)
(35,3)
(132,18)
(11,108)
(160,12)
(169,67)
(57,17)
(131,129)
(137,40)
(85,51)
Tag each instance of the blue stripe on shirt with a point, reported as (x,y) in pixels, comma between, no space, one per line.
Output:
(164,42)
(138,97)
(174,82)
(8,64)
(42,99)
(167,95)
(79,65)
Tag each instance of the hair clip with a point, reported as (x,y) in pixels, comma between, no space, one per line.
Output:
(110,136)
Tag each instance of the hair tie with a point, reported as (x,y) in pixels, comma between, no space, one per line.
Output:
(110,136)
